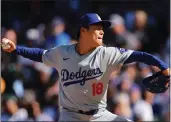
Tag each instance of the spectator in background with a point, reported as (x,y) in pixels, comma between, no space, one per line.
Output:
(142,110)
(10,34)
(44,71)
(47,94)
(120,36)
(127,78)
(58,35)
(140,26)
(9,64)
(38,114)
(146,107)
(12,111)
(135,97)
(125,83)
(32,36)
(26,100)
(34,108)
(35,37)
(131,71)
(145,70)
(122,105)
(161,107)
(147,31)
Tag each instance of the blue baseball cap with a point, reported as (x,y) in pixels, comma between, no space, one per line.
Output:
(93,18)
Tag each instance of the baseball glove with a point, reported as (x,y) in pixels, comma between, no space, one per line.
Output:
(157,83)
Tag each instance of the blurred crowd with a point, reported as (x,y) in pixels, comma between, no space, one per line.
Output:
(29,89)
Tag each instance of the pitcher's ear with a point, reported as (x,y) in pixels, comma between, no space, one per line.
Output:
(82,29)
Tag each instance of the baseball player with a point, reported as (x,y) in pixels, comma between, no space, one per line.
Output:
(84,70)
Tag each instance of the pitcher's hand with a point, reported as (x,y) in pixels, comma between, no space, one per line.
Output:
(166,72)
(8,45)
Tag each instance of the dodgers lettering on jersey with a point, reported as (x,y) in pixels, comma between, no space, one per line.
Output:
(81,76)
(84,79)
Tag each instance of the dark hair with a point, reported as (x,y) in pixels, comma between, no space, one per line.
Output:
(78,34)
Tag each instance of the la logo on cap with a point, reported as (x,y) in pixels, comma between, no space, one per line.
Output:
(98,17)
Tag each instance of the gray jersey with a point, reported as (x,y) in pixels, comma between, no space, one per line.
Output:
(84,78)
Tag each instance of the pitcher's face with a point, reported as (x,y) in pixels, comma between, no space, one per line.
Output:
(94,34)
